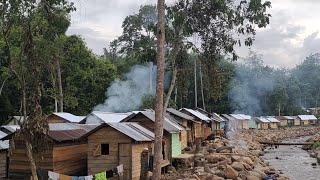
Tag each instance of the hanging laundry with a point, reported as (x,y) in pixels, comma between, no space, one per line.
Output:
(85,177)
(88,177)
(120,170)
(65,177)
(42,174)
(53,175)
(109,174)
(100,176)
(75,178)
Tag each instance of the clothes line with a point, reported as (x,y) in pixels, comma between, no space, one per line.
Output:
(104,175)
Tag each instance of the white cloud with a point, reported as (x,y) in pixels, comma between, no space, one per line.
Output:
(291,36)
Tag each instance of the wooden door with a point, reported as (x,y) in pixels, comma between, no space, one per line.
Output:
(125,159)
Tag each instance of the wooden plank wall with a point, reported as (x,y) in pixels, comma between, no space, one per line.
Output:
(3,164)
(70,160)
(137,149)
(99,163)
(150,125)
(184,139)
(19,166)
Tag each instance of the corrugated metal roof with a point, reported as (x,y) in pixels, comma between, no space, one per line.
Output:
(179,114)
(198,114)
(3,134)
(241,116)
(4,145)
(262,119)
(67,135)
(272,119)
(11,128)
(134,131)
(227,117)
(217,117)
(307,117)
(289,117)
(168,125)
(97,117)
(69,117)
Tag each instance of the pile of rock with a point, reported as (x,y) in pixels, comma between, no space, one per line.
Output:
(221,159)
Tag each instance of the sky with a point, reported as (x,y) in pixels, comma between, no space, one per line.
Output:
(293,33)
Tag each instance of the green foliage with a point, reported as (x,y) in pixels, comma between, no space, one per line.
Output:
(316,145)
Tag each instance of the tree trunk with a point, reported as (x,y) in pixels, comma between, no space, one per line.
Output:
(60,84)
(201,85)
(195,84)
(172,85)
(33,166)
(2,85)
(159,91)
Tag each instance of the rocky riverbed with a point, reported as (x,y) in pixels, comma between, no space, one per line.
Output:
(239,157)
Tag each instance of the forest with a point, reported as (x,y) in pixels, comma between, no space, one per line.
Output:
(42,66)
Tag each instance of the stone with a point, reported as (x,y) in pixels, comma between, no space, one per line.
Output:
(262,174)
(215,158)
(253,173)
(235,158)
(224,149)
(220,174)
(214,177)
(250,177)
(237,166)
(231,173)
(247,160)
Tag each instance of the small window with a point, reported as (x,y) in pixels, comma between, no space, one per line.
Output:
(104,149)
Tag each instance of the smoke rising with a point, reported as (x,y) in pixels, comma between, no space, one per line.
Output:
(250,86)
(126,95)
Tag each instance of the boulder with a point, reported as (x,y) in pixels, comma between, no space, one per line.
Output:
(214,158)
(247,160)
(224,149)
(214,177)
(237,166)
(235,158)
(231,173)
(250,177)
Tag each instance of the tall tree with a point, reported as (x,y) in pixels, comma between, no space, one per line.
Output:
(159,114)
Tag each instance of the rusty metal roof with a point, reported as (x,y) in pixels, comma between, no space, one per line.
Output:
(179,114)
(134,131)
(67,135)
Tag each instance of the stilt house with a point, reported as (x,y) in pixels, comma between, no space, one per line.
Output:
(172,145)
(113,144)
(66,153)
(206,122)
(189,123)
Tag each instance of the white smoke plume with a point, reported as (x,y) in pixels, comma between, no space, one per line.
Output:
(126,95)
(252,82)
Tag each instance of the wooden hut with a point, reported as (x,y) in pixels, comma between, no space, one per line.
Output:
(4,146)
(193,127)
(66,153)
(243,120)
(283,120)
(296,121)
(113,144)
(307,120)
(171,135)
(274,123)
(262,123)
(206,122)
(63,117)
